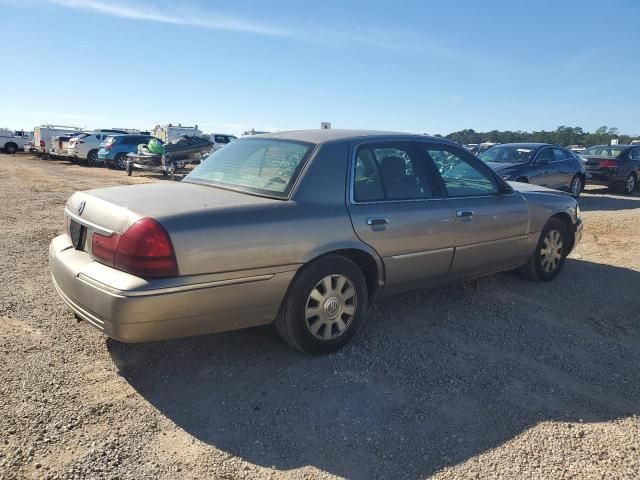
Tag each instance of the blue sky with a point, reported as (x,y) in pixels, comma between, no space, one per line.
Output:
(418,66)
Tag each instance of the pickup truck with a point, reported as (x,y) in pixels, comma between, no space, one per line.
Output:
(12,141)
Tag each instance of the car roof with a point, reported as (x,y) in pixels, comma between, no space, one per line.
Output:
(328,135)
(612,146)
(526,145)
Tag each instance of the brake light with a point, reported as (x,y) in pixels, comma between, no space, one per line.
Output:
(42,145)
(108,146)
(60,143)
(608,164)
(144,249)
(104,248)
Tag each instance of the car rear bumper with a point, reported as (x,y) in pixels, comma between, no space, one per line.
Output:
(163,308)
(604,178)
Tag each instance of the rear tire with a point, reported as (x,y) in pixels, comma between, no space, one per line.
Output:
(324,307)
(11,148)
(630,184)
(92,158)
(121,161)
(547,260)
(576,186)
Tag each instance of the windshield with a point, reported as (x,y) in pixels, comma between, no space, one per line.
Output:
(502,154)
(259,165)
(611,152)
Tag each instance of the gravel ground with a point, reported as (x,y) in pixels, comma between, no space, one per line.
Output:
(493,378)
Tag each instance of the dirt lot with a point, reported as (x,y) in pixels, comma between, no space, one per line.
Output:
(495,378)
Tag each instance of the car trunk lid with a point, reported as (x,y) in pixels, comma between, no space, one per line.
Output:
(114,209)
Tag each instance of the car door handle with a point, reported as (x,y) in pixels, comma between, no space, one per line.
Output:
(377,221)
(464,213)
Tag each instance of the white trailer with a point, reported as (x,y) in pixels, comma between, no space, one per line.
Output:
(43,135)
(13,140)
(169,133)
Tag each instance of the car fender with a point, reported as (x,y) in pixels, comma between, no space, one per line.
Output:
(341,246)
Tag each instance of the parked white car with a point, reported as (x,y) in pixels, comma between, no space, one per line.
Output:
(11,141)
(59,145)
(43,136)
(84,147)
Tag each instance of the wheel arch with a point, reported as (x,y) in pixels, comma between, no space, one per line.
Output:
(367,260)
(565,218)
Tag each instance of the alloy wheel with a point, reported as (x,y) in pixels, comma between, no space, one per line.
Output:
(121,161)
(630,184)
(576,186)
(552,251)
(330,307)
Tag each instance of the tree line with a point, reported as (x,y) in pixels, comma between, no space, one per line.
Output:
(561,136)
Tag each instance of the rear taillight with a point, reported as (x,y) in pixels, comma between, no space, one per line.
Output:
(104,248)
(608,164)
(144,249)
(60,143)
(108,146)
(42,145)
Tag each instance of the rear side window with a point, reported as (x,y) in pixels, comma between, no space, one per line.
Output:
(635,154)
(388,172)
(134,140)
(462,174)
(221,139)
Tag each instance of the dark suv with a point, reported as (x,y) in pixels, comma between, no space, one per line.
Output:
(541,164)
(613,165)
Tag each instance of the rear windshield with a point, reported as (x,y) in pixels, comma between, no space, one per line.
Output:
(611,152)
(257,165)
(501,154)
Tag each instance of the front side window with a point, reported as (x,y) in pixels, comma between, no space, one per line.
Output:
(560,154)
(387,172)
(461,174)
(259,165)
(545,156)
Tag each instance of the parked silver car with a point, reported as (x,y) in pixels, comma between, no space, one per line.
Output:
(304,229)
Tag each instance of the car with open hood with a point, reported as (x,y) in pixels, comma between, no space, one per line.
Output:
(301,229)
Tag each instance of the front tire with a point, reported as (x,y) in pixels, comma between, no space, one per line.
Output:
(547,260)
(324,307)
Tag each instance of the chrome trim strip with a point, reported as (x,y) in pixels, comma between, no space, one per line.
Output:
(492,242)
(162,291)
(422,254)
(96,228)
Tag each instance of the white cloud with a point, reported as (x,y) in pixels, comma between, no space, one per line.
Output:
(187,16)
(146,12)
